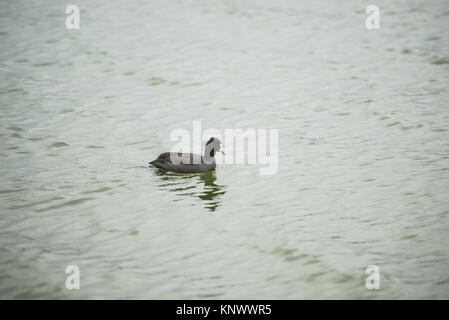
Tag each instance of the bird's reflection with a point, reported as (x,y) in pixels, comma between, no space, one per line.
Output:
(201,185)
(211,191)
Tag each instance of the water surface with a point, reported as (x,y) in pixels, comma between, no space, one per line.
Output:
(363,149)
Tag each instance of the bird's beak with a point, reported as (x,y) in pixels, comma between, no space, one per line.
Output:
(221,150)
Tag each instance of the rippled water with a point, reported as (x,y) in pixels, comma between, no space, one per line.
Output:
(363,173)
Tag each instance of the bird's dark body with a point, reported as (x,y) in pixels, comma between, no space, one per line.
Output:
(189,162)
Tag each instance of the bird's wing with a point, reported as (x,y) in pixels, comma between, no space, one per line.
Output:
(177,157)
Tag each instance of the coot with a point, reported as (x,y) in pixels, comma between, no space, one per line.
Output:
(190,162)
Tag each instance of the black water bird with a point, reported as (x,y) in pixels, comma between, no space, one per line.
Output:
(190,162)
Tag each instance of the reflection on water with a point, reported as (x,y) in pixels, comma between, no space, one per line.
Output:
(201,185)
(211,191)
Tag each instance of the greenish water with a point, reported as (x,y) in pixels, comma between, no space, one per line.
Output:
(363,149)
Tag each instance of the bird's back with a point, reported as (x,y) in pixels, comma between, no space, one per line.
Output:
(182,162)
